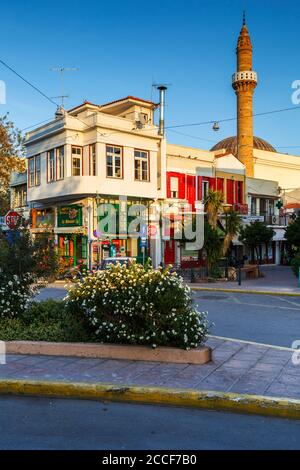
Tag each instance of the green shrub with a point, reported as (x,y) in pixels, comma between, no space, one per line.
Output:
(46,321)
(139,305)
(295,263)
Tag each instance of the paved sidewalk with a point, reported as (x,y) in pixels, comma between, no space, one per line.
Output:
(277,279)
(237,366)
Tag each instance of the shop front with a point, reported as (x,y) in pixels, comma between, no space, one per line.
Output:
(72,239)
(109,244)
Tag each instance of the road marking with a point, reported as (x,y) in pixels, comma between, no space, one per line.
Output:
(235,299)
(289,301)
(235,340)
(244,291)
(255,305)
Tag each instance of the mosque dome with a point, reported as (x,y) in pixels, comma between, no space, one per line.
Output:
(230,145)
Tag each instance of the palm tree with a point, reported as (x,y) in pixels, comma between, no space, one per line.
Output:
(213,206)
(233,225)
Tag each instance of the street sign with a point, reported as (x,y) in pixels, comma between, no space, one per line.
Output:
(12,219)
(144,231)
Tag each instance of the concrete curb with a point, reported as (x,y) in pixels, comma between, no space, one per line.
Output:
(238,403)
(245,291)
(199,355)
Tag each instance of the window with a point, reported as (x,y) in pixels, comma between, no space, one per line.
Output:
(205,188)
(51,165)
(19,196)
(114,162)
(174,187)
(239,195)
(271,207)
(37,170)
(60,163)
(253,205)
(31,172)
(76,161)
(93,167)
(141,165)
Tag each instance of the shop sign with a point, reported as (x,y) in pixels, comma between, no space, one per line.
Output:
(69,216)
(43,218)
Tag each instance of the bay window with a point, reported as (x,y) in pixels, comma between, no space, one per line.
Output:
(114,162)
(51,165)
(76,161)
(93,161)
(141,165)
(37,170)
(31,172)
(60,163)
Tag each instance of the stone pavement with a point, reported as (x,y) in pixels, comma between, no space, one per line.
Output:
(240,367)
(277,279)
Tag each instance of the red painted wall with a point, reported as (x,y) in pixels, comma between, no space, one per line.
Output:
(191,189)
(187,187)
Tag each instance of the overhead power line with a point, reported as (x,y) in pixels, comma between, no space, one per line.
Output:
(48,98)
(28,82)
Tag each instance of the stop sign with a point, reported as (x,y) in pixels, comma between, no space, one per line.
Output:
(12,219)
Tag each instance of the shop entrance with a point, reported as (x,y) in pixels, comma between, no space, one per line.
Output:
(72,249)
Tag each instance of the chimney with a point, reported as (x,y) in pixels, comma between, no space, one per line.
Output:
(162,89)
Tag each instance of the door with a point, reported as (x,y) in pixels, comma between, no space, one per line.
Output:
(169,255)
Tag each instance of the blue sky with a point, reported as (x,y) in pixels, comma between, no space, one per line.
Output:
(121,47)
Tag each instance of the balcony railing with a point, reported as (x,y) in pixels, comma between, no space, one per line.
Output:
(241,208)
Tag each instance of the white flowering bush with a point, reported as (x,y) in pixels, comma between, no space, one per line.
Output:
(139,305)
(16,295)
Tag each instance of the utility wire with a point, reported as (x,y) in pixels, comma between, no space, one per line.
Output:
(38,90)
(28,83)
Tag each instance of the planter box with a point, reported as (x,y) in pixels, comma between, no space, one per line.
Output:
(200,355)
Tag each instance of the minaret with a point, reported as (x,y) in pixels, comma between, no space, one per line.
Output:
(244,82)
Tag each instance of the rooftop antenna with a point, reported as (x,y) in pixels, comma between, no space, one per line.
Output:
(62,71)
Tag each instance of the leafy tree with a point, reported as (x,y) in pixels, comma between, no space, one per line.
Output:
(255,234)
(292,235)
(20,255)
(233,225)
(45,256)
(295,263)
(213,206)
(11,153)
(16,253)
(212,245)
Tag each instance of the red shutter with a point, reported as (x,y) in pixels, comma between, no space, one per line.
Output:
(239,195)
(212,183)
(242,192)
(230,191)
(191,189)
(168,184)
(220,185)
(181,188)
(199,188)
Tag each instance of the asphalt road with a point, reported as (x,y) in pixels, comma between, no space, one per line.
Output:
(52,291)
(262,318)
(42,423)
